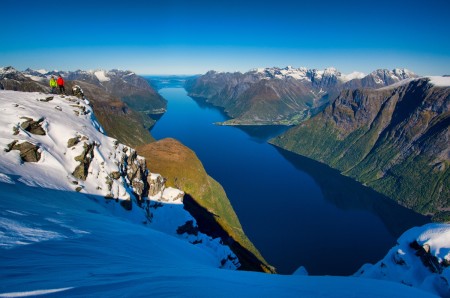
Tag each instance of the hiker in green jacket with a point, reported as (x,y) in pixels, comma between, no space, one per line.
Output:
(53,84)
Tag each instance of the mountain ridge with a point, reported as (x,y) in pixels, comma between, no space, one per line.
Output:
(282,96)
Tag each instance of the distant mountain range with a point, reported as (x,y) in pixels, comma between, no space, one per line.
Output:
(282,95)
(393,139)
(121,100)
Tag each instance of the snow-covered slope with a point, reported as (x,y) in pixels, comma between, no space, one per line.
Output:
(75,156)
(80,221)
(421,259)
(71,245)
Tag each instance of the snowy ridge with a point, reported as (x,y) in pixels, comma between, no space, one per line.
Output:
(419,251)
(304,73)
(70,120)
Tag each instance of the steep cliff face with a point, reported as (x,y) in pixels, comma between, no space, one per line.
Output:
(205,198)
(282,96)
(393,139)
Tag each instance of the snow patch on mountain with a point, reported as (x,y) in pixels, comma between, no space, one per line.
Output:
(101,76)
(352,76)
(440,81)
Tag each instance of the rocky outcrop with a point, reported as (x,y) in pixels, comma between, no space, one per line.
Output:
(156,183)
(420,259)
(433,263)
(32,126)
(394,140)
(136,172)
(28,152)
(85,158)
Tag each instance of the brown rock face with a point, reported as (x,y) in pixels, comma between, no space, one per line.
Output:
(28,152)
(85,158)
(33,126)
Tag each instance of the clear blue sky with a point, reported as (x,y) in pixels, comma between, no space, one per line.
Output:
(186,37)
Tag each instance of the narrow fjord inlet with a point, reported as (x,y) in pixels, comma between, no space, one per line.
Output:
(296,211)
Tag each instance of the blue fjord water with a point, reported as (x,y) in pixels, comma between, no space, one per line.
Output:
(296,211)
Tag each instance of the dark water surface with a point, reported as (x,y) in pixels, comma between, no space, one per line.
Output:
(296,211)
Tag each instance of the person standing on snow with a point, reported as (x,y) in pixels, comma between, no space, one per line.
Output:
(60,83)
(53,84)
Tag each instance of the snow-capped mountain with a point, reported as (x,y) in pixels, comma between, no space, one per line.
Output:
(81,216)
(12,79)
(380,78)
(283,95)
(303,73)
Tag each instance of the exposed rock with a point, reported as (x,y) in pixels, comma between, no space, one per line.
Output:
(73,141)
(115,175)
(430,261)
(77,91)
(28,152)
(85,158)
(47,99)
(136,170)
(156,184)
(32,126)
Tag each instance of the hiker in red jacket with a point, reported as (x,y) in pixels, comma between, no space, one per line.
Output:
(60,82)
